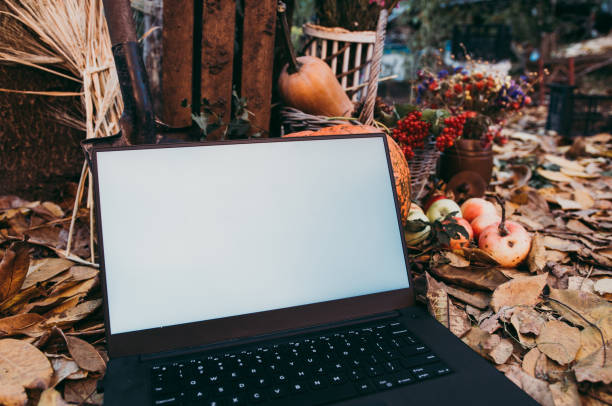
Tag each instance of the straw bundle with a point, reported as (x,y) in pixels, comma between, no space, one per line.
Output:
(68,38)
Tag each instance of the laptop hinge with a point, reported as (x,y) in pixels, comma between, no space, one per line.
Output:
(271,336)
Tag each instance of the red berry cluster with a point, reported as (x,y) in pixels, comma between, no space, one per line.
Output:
(453,128)
(411,133)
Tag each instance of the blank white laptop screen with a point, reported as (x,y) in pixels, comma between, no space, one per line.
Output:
(205,232)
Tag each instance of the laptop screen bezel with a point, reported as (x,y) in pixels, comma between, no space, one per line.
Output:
(201,333)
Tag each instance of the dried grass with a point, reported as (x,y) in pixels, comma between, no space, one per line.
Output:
(68,38)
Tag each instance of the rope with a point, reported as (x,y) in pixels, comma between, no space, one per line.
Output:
(367,114)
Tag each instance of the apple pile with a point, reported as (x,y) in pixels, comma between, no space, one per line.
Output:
(506,241)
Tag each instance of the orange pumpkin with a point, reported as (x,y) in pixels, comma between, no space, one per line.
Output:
(401,171)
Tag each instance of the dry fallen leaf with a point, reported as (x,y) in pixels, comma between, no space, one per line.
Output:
(13,269)
(85,355)
(81,391)
(45,269)
(603,286)
(13,324)
(554,176)
(51,397)
(565,393)
(443,309)
(590,337)
(486,279)
(588,305)
(526,320)
(519,291)
(560,244)
(550,370)
(536,388)
(536,260)
(559,341)
(529,361)
(564,163)
(593,369)
(502,351)
(21,366)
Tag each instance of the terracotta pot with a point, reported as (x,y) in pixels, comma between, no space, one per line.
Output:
(466,155)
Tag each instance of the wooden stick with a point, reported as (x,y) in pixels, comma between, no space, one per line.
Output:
(75,208)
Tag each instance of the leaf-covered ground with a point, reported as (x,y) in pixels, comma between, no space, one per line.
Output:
(543,324)
(547,325)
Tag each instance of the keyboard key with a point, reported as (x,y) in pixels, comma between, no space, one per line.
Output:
(318,383)
(403,378)
(364,386)
(263,382)
(237,400)
(337,379)
(375,370)
(257,397)
(171,401)
(421,373)
(384,383)
(278,391)
(298,387)
(355,375)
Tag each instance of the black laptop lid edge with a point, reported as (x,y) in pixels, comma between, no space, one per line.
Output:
(194,334)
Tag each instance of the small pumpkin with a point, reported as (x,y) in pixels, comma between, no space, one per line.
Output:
(308,84)
(401,171)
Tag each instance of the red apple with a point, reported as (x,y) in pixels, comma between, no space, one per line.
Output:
(483,221)
(475,207)
(509,243)
(458,243)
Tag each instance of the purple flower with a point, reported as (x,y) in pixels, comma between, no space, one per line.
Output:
(442,74)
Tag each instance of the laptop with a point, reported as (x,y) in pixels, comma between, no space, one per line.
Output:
(269,272)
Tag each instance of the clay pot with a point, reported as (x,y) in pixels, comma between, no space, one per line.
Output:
(466,155)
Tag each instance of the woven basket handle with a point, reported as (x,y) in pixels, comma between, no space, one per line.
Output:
(367,113)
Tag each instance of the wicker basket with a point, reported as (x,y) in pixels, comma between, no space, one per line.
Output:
(422,165)
(349,54)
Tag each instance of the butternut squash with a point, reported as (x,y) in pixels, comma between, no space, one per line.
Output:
(308,84)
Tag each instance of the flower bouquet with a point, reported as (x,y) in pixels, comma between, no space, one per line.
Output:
(487,99)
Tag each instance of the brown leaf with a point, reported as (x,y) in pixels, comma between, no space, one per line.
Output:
(85,355)
(79,290)
(565,393)
(578,227)
(54,209)
(63,367)
(529,361)
(502,351)
(476,255)
(22,366)
(567,204)
(13,324)
(593,369)
(519,291)
(443,309)
(560,244)
(526,320)
(470,296)
(554,176)
(564,163)
(490,324)
(478,340)
(455,260)
(81,391)
(485,279)
(51,397)
(534,387)
(45,269)
(589,305)
(13,269)
(74,314)
(559,341)
(603,286)
(549,370)
(590,338)
(536,260)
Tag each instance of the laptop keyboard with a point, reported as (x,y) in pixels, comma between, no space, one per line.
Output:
(312,369)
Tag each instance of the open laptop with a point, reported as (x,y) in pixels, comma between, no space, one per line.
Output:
(269,272)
